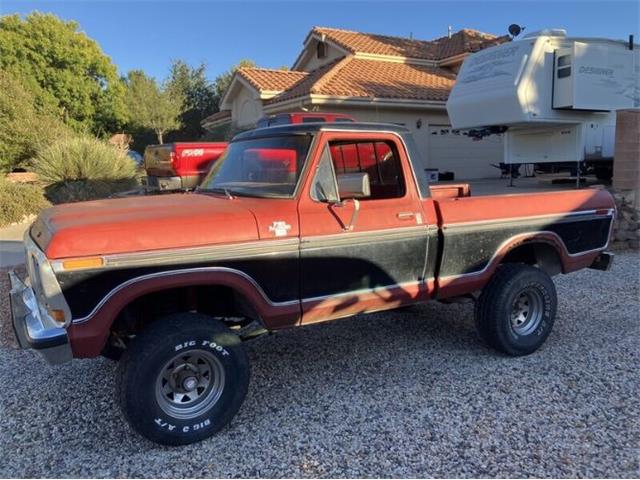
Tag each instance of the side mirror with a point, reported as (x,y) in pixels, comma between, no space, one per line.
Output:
(354,185)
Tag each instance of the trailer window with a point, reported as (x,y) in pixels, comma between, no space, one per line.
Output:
(564,66)
(379,159)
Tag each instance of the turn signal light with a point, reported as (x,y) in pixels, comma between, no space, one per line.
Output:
(78,263)
(57,315)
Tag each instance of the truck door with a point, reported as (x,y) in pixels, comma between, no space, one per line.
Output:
(365,248)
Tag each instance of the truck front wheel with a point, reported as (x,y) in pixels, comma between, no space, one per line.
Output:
(516,310)
(182,379)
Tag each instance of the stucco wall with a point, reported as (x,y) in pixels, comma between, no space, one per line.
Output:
(247,108)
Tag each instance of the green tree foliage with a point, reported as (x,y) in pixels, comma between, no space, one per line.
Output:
(71,70)
(154,107)
(199,97)
(26,125)
(224,79)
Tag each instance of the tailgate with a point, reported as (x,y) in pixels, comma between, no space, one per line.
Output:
(159,160)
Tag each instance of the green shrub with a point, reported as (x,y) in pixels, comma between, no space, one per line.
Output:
(19,200)
(84,168)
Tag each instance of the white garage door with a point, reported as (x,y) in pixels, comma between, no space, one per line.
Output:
(454,151)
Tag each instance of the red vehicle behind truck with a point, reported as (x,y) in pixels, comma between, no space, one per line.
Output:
(288,230)
(302,117)
(180,165)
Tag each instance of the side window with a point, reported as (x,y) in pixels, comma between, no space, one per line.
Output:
(564,66)
(379,160)
(325,188)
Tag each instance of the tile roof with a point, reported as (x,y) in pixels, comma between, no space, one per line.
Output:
(460,42)
(357,77)
(265,79)
(466,41)
(353,76)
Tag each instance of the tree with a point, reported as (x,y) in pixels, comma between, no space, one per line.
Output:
(69,69)
(199,97)
(224,79)
(25,124)
(152,106)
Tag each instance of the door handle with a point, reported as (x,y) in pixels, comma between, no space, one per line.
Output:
(405,215)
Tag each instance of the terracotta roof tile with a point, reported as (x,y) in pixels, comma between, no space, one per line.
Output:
(460,42)
(466,41)
(355,77)
(265,79)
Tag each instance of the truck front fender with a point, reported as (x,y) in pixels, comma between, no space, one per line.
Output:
(89,334)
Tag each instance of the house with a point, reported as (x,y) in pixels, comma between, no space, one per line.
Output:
(374,78)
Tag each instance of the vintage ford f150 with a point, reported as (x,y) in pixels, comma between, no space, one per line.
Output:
(294,225)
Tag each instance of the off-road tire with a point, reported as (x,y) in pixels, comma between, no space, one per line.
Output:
(500,300)
(166,347)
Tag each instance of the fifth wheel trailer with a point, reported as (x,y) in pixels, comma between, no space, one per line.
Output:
(553,97)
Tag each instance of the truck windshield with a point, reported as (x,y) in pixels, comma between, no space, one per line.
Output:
(262,167)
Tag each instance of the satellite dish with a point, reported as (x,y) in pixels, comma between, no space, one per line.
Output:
(515,29)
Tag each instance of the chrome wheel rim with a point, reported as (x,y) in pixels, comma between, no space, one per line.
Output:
(526,312)
(189,384)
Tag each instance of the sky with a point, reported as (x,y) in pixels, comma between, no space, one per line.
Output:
(148,35)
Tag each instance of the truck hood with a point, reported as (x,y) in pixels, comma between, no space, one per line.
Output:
(140,223)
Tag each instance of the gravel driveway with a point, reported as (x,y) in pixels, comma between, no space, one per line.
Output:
(401,394)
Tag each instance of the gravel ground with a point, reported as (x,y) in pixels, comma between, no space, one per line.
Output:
(410,393)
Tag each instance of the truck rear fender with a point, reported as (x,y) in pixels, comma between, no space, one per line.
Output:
(546,250)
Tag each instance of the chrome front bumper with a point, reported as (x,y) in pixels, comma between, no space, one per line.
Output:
(33,330)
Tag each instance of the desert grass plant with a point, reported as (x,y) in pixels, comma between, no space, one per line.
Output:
(84,168)
(19,200)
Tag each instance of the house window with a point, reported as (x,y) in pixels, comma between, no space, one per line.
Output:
(321,50)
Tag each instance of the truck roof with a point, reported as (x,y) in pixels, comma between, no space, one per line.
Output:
(304,128)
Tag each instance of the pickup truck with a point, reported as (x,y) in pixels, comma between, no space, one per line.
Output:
(180,165)
(284,233)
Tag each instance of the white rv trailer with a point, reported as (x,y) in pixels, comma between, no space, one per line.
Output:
(553,96)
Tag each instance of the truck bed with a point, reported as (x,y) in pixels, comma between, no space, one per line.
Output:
(478,231)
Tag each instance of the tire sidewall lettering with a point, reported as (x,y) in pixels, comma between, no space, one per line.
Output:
(208,344)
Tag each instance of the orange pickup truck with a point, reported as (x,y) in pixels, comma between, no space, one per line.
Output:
(287,229)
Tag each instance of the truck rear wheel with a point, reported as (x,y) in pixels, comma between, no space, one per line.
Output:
(182,379)
(516,310)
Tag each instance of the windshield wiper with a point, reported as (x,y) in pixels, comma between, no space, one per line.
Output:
(223,190)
